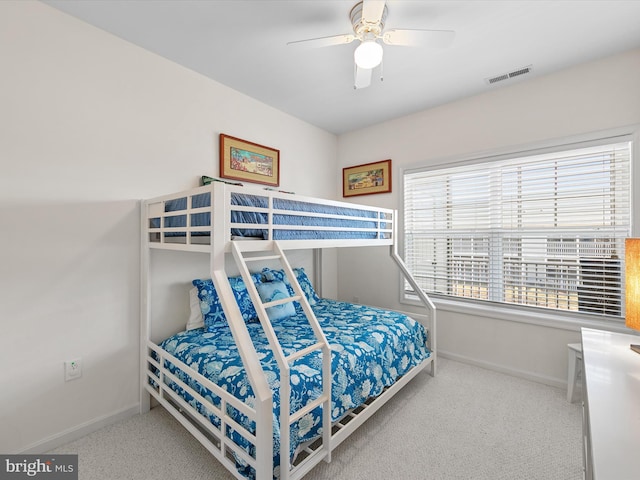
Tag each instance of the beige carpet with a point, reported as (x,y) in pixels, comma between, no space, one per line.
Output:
(466,423)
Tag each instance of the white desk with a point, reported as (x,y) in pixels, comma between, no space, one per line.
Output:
(611,406)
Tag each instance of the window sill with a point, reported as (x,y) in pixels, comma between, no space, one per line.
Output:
(564,321)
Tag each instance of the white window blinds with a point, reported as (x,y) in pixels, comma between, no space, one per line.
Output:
(544,230)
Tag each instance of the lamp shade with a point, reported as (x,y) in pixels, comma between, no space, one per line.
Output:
(368,54)
(632,283)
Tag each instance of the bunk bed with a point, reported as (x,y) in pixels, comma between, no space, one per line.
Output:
(267,364)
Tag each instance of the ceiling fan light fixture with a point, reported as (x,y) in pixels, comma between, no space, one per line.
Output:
(368,54)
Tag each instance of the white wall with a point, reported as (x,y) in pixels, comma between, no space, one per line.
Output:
(89,124)
(593,97)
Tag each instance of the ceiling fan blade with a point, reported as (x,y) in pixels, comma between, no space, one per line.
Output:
(419,38)
(372,10)
(323,41)
(362,77)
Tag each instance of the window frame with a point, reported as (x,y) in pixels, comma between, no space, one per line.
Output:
(571,320)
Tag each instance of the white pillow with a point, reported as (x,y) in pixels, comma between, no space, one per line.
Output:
(195,317)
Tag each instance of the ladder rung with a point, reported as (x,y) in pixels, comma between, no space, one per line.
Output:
(261,258)
(304,351)
(282,301)
(307,408)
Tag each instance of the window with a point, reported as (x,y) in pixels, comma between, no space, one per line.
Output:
(539,229)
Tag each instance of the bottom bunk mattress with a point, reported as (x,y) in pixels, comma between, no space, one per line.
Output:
(370,349)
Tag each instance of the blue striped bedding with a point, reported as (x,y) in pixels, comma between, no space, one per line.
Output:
(370,349)
(369,218)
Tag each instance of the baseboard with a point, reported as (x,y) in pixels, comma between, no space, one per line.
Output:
(551,381)
(79,431)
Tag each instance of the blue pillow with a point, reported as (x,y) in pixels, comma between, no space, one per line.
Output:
(210,301)
(306,285)
(279,276)
(272,291)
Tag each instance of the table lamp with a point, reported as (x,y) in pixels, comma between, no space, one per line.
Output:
(632,286)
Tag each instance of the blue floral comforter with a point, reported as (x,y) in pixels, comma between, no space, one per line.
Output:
(370,349)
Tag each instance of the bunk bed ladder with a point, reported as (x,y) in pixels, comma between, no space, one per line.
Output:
(261,251)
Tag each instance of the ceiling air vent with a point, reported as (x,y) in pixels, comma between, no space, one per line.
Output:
(507,76)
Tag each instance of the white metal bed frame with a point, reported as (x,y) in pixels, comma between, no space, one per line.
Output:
(155,373)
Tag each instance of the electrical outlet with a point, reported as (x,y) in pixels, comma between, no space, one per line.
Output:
(72,369)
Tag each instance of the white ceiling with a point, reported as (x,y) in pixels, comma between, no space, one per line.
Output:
(242,44)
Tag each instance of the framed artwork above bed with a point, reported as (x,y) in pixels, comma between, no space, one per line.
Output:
(247,161)
(366,179)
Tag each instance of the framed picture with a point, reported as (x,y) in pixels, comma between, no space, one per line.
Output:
(366,179)
(248,161)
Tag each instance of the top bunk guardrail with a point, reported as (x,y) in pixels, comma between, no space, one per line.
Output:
(195,219)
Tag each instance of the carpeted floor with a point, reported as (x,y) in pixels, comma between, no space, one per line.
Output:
(466,423)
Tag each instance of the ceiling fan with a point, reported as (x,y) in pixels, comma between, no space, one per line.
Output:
(368,18)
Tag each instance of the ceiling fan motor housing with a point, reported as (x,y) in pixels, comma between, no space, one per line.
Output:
(366,30)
